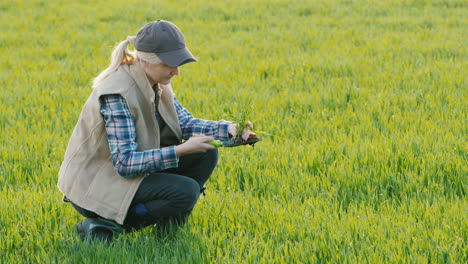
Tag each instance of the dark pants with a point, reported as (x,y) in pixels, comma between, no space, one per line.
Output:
(168,196)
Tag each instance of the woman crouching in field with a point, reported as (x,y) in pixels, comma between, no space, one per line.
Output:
(125,167)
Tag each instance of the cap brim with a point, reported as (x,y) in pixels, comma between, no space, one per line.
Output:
(177,57)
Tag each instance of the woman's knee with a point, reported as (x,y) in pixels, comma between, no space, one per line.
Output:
(213,155)
(208,161)
(189,193)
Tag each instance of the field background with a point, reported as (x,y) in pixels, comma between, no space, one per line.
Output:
(364,103)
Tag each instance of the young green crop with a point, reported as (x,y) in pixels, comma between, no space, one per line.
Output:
(365,102)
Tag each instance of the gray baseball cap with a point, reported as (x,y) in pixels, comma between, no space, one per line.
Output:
(166,40)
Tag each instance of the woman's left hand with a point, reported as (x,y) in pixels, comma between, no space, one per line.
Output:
(246,133)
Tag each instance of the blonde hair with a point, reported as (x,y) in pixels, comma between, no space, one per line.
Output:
(122,55)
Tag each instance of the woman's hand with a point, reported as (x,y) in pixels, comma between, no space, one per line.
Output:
(195,144)
(232,129)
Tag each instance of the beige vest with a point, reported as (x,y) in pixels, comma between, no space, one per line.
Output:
(87,175)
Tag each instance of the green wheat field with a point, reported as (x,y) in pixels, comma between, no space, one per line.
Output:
(362,106)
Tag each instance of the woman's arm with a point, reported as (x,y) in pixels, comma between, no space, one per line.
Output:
(193,126)
(121,135)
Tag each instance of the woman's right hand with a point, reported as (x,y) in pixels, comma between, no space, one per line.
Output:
(195,144)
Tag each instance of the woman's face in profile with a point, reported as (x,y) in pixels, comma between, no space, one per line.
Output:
(159,73)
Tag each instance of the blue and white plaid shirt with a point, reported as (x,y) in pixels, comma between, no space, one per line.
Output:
(121,135)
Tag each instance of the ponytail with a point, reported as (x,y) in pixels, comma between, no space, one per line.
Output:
(120,55)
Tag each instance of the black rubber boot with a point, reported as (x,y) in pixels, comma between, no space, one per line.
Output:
(99,228)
